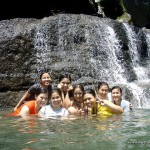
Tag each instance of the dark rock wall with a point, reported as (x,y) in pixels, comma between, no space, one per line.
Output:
(139,11)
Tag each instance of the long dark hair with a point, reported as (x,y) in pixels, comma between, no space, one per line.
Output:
(41,90)
(81,87)
(93,93)
(44,73)
(90,91)
(100,84)
(65,76)
(117,87)
(56,89)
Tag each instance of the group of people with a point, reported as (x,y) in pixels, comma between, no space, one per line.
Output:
(64,99)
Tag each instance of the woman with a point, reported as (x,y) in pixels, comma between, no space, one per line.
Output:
(75,106)
(116,94)
(89,102)
(33,106)
(103,89)
(65,87)
(55,107)
(45,82)
(97,106)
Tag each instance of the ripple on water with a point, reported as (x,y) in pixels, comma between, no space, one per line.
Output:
(115,132)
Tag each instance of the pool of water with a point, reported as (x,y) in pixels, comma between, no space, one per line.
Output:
(119,132)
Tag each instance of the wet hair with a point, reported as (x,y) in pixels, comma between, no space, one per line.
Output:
(100,84)
(57,90)
(65,76)
(90,91)
(81,87)
(41,90)
(117,87)
(42,74)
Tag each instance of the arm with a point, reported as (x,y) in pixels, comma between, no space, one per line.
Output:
(25,96)
(114,108)
(126,105)
(24,111)
(67,102)
(43,111)
(72,111)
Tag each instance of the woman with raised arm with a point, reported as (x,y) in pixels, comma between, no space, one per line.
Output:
(116,94)
(45,82)
(94,105)
(33,106)
(66,88)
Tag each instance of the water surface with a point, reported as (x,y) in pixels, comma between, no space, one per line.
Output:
(119,132)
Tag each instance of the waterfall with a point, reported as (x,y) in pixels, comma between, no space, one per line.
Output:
(90,48)
(140,87)
(147,41)
(140,71)
(103,61)
(43,52)
(95,53)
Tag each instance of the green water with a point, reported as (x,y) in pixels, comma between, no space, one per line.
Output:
(119,132)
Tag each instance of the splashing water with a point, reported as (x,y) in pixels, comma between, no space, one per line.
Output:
(106,49)
(140,99)
(115,47)
(43,53)
(92,51)
(133,49)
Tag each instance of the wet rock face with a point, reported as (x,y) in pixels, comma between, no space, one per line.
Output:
(112,8)
(17,54)
(90,48)
(139,11)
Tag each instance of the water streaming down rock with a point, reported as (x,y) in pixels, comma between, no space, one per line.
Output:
(140,71)
(95,58)
(94,49)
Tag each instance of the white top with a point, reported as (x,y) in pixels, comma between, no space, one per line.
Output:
(47,111)
(109,97)
(125,105)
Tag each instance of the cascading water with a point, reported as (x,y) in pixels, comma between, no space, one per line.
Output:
(133,50)
(138,87)
(92,50)
(43,51)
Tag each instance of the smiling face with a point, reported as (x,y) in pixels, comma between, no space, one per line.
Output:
(89,99)
(45,79)
(65,83)
(116,96)
(41,99)
(103,91)
(56,100)
(78,93)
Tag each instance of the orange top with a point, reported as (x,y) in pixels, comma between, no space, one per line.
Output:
(30,105)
